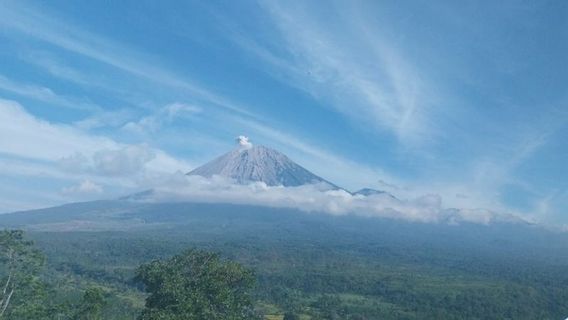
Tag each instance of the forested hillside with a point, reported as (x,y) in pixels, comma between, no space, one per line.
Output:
(322,267)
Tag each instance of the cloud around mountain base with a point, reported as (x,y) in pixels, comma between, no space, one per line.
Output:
(314,198)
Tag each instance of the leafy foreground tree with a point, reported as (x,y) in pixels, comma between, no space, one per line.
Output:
(197,285)
(22,291)
(91,305)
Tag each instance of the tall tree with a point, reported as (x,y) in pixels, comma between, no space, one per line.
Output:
(197,285)
(21,288)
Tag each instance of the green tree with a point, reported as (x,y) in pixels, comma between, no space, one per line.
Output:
(196,285)
(91,305)
(22,294)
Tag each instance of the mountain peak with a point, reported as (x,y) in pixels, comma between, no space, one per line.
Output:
(366,192)
(249,163)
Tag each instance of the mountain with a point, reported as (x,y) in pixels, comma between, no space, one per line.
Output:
(245,164)
(262,164)
(368,192)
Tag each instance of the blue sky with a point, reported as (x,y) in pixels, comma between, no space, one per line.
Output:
(466,100)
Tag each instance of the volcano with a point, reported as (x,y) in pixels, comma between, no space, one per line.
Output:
(248,163)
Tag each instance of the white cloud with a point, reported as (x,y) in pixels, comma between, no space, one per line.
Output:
(44,94)
(85,187)
(164,116)
(26,136)
(176,109)
(125,161)
(55,65)
(244,142)
(361,73)
(75,163)
(28,20)
(113,119)
(31,148)
(314,198)
(356,70)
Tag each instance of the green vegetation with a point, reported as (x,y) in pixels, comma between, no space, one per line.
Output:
(91,305)
(303,269)
(23,294)
(196,285)
(193,285)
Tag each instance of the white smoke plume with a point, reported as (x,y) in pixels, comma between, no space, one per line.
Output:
(243,142)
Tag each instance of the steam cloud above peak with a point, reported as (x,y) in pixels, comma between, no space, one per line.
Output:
(243,142)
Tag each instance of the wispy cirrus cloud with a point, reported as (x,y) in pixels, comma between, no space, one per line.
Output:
(46,95)
(164,116)
(348,56)
(457,108)
(28,20)
(60,69)
(353,68)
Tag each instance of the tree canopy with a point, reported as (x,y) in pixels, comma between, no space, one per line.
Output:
(22,292)
(196,285)
(91,305)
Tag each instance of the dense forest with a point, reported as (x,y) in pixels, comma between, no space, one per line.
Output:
(297,266)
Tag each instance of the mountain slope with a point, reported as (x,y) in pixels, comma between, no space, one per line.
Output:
(368,192)
(259,163)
